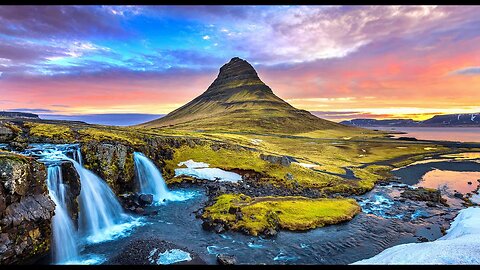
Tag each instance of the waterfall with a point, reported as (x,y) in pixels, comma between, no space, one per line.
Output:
(101,217)
(99,207)
(150,179)
(64,243)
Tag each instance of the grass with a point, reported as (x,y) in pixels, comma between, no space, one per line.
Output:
(290,213)
(51,131)
(229,159)
(110,135)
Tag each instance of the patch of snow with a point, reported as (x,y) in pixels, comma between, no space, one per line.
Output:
(306,165)
(173,256)
(193,164)
(459,246)
(209,174)
(256,141)
(429,148)
(346,138)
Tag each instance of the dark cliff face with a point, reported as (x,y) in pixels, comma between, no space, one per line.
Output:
(26,209)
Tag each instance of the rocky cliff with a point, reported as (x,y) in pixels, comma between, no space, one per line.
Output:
(26,209)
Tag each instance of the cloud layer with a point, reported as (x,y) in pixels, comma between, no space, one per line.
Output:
(370,60)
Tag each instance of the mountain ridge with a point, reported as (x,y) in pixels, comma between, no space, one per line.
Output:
(443,120)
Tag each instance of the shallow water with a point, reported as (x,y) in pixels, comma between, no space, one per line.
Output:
(460,134)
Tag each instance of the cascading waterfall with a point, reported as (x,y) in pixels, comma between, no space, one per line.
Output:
(64,236)
(99,206)
(150,180)
(101,216)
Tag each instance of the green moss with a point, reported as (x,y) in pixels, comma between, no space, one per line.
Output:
(14,128)
(51,131)
(110,135)
(290,213)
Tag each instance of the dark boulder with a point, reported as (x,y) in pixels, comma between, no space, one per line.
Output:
(145,199)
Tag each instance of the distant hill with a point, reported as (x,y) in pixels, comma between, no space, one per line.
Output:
(18,115)
(447,120)
(238,100)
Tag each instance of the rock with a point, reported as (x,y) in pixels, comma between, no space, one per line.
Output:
(139,210)
(72,181)
(289,176)
(422,239)
(469,182)
(280,160)
(270,232)
(458,195)
(424,194)
(224,259)
(219,228)
(145,199)
(431,204)
(26,209)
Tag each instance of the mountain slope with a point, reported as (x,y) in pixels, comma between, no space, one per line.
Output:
(238,100)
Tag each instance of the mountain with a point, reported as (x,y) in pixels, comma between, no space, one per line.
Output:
(367,122)
(18,115)
(238,100)
(446,120)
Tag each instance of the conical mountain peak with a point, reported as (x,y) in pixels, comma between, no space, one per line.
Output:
(238,100)
(237,68)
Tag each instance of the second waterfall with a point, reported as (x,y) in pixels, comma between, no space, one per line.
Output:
(150,181)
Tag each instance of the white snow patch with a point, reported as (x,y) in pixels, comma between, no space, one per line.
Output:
(200,170)
(256,141)
(459,246)
(193,164)
(209,174)
(306,165)
(172,256)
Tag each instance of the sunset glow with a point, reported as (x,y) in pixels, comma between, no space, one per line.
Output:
(337,62)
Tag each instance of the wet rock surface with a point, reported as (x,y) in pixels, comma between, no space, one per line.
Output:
(424,194)
(147,252)
(224,259)
(72,181)
(26,209)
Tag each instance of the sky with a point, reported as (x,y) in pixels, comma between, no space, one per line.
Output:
(339,62)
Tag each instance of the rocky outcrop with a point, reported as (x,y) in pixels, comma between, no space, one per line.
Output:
(113,162)
(72,181)
(26,209)
(280,160)
(224,259)
(424,194)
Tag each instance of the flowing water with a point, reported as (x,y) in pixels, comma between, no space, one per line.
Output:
(65,247)
(150,180)
(99,207)
(101,218)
